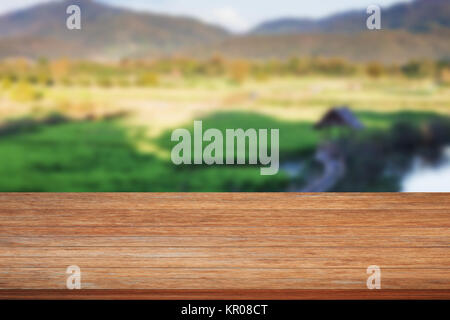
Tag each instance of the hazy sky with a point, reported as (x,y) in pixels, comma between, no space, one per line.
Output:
(237,15)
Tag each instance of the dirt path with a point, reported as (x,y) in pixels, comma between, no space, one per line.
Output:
(334,169)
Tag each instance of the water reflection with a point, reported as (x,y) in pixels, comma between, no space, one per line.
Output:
(428,176)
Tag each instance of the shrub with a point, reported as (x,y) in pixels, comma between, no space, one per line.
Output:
(148,79)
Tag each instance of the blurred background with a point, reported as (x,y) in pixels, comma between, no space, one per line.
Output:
(93,109)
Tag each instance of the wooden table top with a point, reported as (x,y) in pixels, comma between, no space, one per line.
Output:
(224,246)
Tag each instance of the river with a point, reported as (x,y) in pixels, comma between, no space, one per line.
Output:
(428,176)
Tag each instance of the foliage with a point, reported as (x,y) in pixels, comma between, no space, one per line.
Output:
(98,156)
(296,138)
(152,72)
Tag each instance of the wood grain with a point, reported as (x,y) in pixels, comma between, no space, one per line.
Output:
(224,246)
(260,295)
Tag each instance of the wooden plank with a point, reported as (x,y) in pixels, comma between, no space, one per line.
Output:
(219,262)
(332,258)
(217,279)
(226,217)
(293,245)
(367,241)
(237,231)
(232,201)
(256,294)
(440,255)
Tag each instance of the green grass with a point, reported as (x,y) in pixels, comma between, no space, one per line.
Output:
(109,156)
(76,157)
(383,121)
(100,156)
(296,138)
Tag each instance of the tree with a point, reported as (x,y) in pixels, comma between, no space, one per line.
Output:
(375,70)
(239,71)
(60,68)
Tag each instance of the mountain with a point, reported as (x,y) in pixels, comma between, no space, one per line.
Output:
(417,16)
(397,46)
(106,32)
(415,30)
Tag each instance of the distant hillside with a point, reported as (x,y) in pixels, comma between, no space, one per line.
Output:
(106,32)
(385,46)
(418,16)
(416,30)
